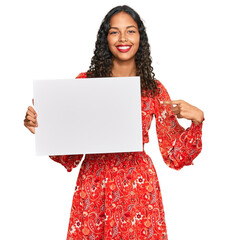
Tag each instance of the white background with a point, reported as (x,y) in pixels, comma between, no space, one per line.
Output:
(55,39)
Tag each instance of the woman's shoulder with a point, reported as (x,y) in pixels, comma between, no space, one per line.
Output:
(82,75)
(162,92)
(158,82)
(160,87)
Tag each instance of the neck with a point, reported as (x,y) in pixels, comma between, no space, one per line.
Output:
(123,69)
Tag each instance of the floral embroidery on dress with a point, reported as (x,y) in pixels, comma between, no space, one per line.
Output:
(117,195)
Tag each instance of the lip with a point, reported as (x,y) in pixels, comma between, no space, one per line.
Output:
(123,50)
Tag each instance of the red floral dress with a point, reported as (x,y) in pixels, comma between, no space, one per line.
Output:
(117,195)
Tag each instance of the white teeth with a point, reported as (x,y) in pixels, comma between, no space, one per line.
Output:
(124,47)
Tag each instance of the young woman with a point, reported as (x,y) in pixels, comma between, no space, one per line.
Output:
(117,195)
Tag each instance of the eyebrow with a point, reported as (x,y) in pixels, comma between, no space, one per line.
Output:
(126,27)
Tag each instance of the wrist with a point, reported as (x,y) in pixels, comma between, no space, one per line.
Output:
(199,118)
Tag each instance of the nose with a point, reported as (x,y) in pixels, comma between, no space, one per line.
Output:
(123,38)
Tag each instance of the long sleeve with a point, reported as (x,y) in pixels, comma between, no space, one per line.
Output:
(179,147)
(69,161)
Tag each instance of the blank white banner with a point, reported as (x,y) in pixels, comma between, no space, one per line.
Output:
(90,115)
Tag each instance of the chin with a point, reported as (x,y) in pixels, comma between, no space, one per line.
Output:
(124,58)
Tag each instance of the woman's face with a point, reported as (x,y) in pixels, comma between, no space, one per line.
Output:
(123,37)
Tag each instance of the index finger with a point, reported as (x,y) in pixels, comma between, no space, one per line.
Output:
(174,102)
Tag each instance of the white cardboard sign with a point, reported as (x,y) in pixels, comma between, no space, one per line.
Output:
(90,115)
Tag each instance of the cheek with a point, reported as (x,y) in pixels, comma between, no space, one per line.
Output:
(136,44)
(111,41)
(110,45)
(135,40)
(138,40)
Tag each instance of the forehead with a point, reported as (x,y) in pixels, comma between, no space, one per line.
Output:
(122,19)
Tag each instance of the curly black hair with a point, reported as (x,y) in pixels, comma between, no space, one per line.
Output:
(101,62)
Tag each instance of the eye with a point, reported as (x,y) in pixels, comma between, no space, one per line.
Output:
(113,32)
(131,31)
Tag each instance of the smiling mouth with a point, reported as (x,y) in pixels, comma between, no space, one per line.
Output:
(123,48)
